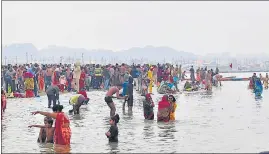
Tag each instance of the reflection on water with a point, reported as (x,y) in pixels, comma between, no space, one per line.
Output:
(228,120)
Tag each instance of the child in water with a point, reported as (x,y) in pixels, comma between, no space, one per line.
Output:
(46,133)
(113,132)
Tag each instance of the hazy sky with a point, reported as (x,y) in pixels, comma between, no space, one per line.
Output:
(199,27)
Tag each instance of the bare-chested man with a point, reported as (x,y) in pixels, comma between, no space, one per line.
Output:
(109,95)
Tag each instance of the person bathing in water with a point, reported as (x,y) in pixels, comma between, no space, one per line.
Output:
(148,106)
(173,103)
(108,98)
(77,101)
(130,98)
(46,133)
(113,132)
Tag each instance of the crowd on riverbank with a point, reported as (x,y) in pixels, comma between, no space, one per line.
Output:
(31,80)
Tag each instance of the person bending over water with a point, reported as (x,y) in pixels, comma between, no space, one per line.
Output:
(77,101)
(172,101)
(148,106)
(62,134)
(113,132)
(46,133)
(109,96)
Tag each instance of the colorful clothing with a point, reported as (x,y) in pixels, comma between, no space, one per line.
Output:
(29,84)
(56,77)
(41,82)
(148,106)
(150,77)
(173,114)
(82,80)
(3,102)
(62,134)
(163,110)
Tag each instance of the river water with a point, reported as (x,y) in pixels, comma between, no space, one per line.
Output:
(229,120)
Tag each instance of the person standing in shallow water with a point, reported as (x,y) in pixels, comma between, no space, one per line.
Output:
(62,134)
(108,98)
(46,131)
(53,95)
(164,109)
(148,106)
(113,132)
(172,101)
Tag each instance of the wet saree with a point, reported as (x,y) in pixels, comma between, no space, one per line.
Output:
(62,134)
(173,114)
(163,114)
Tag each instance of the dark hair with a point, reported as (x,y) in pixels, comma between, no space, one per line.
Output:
(116,118)
(57,108)
(60,108)
(173,98)
(54,108)
(50,121)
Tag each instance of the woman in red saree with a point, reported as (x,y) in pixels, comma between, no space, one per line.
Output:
(56,77)
(82,79)
(3,102)
(62,134)
(164,108)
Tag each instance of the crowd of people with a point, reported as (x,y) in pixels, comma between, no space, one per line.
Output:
(120,82)
(257,83)
(31,80)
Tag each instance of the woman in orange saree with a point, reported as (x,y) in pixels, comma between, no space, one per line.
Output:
(164,108)
(62,134)
(41,82)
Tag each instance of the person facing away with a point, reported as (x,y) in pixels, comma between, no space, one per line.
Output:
(148,106)
(113,131)
(46,133)
(130,90)
(53,95)
(164,108)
